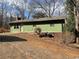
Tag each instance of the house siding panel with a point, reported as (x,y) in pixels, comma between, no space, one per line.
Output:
(14,30)
(49,28)
(44,28)
(27,28)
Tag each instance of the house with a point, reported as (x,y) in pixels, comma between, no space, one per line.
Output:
(53,24)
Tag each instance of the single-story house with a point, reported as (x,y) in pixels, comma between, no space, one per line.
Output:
(53,24)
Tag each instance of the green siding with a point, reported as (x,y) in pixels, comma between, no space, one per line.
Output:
(53,28)
(14,30)
(44,27)
(27,28)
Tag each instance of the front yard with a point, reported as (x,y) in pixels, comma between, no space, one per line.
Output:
(30,46)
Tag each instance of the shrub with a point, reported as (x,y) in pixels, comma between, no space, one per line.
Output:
(37,30)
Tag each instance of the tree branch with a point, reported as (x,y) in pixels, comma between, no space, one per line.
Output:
(41,6)
(70,10)
(53,7)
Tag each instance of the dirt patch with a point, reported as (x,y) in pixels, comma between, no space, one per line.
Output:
(36,48)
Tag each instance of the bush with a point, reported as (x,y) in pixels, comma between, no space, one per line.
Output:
(37,30)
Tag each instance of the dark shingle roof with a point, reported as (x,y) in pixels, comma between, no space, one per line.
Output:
(40,19)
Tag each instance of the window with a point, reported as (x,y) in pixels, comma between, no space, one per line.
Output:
(16,27)
(51,24)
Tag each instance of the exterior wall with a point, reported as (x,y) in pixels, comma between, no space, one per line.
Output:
(51,28)
(27,28)
(44,28)
(14,30)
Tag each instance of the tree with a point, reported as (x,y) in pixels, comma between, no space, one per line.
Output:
(3,15)
(39,15)
(70,15)
(73,11)
(47,6)
(76,12)
(20,5)
(73,7)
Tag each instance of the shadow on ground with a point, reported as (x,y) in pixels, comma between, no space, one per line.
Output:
(5,38)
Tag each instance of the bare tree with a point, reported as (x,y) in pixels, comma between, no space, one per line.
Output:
(20,5)
(47,6)
(39,15)
(3,15)
(76,12)
(30,10)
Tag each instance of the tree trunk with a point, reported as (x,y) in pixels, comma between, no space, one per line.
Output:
(77,21)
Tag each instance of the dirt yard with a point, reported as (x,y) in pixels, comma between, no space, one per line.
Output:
(30,46)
